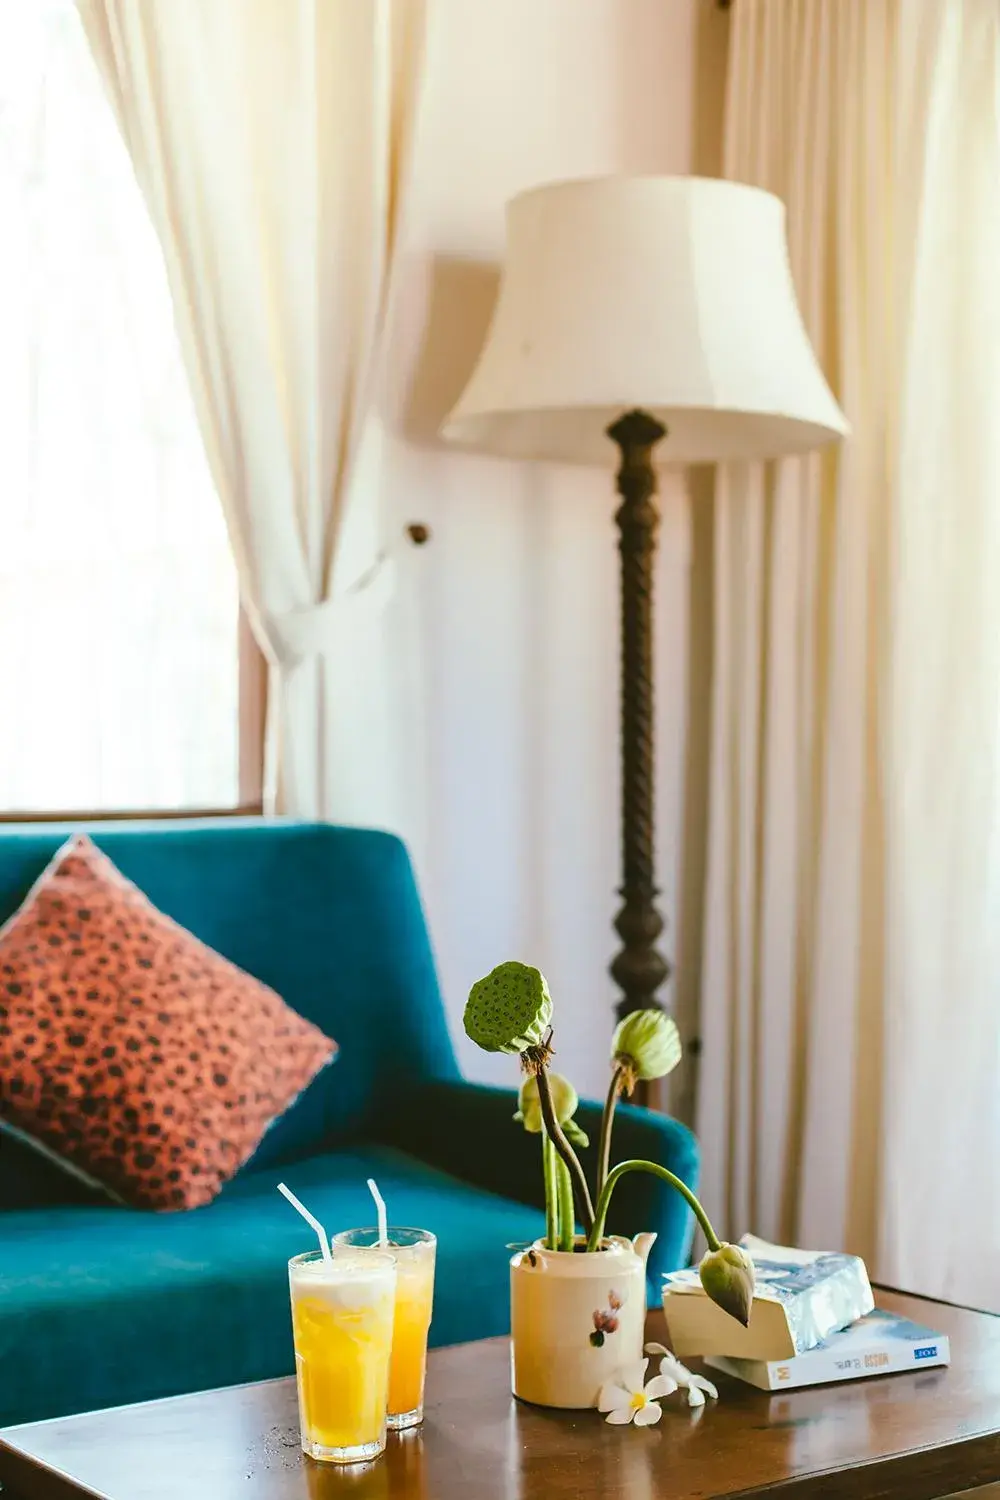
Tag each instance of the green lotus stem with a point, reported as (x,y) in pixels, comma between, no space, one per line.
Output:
(615,1089)
(567,1216)
(596,1232)
(564,1149)
(549,1164)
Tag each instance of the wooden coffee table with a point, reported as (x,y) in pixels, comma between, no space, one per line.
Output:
(914,1437)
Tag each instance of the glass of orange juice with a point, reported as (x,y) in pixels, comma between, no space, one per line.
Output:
(342,1319)
(413,1250)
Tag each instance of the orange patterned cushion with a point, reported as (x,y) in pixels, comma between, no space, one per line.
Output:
(129,1049)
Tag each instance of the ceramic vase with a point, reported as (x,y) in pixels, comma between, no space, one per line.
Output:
(576,1319)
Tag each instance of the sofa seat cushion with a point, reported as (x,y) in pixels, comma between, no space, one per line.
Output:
(101,1306)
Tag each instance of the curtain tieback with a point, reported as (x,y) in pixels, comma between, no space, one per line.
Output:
(298,634)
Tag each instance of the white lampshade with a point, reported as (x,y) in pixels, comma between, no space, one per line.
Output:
(671,294)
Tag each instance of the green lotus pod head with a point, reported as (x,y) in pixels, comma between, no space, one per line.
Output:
(510,1010)
(647,1043)
(529,1109)
(728,1276)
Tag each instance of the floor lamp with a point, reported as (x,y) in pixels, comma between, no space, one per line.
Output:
(631,310)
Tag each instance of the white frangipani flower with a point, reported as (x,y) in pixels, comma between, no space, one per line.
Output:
(680,1376)
(628,1399)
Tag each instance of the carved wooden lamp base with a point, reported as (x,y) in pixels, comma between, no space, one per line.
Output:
(639,968)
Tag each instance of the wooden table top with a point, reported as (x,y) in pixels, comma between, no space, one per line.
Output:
(917,1436)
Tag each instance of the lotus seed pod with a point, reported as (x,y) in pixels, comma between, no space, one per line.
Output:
(728,1276)
(647,1043)
(529,1107)
(510,1010)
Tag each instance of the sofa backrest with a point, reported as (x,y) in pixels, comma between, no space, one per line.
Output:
(329,917)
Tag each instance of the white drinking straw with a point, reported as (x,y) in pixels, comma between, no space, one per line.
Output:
(324,1243)
(383,1221)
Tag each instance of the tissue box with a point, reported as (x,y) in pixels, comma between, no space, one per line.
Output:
(801,1297)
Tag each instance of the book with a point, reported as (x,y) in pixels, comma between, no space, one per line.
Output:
(801,1297)
(881,1343)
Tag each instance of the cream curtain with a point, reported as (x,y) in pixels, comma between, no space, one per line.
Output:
(851,990)
(940,1197)
(271,139)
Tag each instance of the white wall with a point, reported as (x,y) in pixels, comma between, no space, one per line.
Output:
(514,603)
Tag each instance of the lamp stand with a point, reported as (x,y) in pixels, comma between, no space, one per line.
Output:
(639,968)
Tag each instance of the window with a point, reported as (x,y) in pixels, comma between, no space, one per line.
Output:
(119,614)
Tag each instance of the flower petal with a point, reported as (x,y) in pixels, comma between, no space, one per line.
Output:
(633,1377)
(647,1415)
(698,1382)
(620,1417)
(672,1368)
(656,1349)
(695,1396)
(613,1396)
(660,1385)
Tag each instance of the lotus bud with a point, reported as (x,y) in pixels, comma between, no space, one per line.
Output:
(646,1044)
(728,1276)
(565,1102)
(510,1010)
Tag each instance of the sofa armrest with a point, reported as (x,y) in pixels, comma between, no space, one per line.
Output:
(642,1201)
(466,1129)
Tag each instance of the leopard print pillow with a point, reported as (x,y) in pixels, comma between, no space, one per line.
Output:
(132,1052)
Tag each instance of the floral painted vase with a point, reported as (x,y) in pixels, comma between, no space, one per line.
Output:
(576,1319)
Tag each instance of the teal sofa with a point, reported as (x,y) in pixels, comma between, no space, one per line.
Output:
(101,1305)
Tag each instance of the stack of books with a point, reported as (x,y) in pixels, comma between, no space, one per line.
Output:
(813,1321)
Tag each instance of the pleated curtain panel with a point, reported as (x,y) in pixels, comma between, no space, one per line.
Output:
(272,140)
(850,1089)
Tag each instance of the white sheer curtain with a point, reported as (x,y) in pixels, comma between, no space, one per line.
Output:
(118,598)
(851,986)
(940,1198)
(272,141)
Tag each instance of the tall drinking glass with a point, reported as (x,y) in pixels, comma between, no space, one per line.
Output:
(342,1317)
(414,1253)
